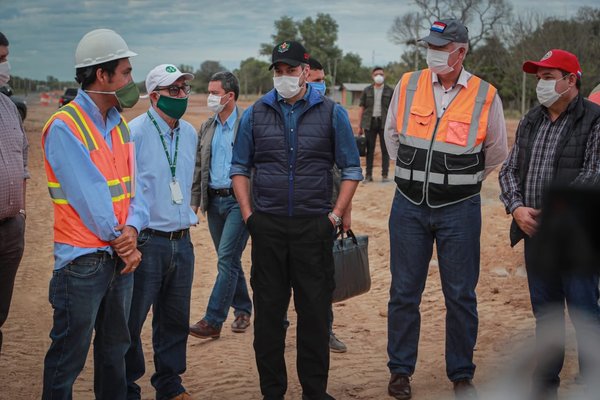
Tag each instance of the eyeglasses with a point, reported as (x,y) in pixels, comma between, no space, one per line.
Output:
(174,89)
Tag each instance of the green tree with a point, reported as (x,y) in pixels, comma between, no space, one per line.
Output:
(186,68)
(202,76)
(350,69)
(317,35)
(254,76)
(52,82)
(285,29)
(533,36)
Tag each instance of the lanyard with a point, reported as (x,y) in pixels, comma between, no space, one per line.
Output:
(172,165)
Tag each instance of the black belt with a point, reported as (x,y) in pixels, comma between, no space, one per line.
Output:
(175,235)
(100,255)
(220,192)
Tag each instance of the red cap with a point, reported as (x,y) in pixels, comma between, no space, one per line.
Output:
(555,58)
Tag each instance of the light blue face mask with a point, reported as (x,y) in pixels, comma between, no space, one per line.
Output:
(319,86)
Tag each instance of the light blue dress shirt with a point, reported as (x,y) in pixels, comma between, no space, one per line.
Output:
(154,172)
(221,151)
(84,186)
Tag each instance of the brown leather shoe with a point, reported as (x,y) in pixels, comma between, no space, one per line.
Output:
(399,387)
(182,396)
(464,389)
(204,330)
(241,323)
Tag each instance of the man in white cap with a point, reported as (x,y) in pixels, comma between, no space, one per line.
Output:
(166,153)
(90,165)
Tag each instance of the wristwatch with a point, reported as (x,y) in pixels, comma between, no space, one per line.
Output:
(23,213)
(337,220)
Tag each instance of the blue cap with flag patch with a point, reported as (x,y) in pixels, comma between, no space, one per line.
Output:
(445,31)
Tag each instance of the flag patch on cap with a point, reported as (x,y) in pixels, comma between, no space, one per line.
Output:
(438,27)
(283,47)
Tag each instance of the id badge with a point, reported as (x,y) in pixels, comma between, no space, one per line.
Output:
(176,195)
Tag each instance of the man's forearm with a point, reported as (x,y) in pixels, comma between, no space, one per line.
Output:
(241,188)
(347,189)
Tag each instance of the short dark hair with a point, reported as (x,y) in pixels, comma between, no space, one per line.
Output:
(228,81)
(85,76)
(376,68)
(3,40)
(314,64)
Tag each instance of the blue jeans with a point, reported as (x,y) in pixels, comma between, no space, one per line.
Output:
(89,293)
(548,293)
(163,280)
(413,229)
(229,236)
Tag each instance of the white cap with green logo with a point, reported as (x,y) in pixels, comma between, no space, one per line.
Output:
(164,75)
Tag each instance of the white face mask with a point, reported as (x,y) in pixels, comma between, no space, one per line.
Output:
(4,73)
(546,91)
(214,103)
(287,86)
(437,61)
(378,79)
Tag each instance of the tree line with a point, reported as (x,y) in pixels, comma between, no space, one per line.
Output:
(499,43)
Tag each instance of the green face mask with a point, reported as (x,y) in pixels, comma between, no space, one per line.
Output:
(172,106)
(127,96)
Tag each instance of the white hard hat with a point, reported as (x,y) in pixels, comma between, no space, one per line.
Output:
(100,46)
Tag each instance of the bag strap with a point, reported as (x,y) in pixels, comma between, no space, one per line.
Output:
(349,234)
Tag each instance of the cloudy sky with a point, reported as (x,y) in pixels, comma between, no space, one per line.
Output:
(43,34)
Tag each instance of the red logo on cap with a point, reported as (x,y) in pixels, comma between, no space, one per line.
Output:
(306,56)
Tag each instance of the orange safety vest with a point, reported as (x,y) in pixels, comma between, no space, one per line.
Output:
(440,160)
(117,167)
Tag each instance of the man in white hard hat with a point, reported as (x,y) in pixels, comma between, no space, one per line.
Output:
(166,154)
(90,165)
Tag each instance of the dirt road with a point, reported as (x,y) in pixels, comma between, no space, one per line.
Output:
(224,369)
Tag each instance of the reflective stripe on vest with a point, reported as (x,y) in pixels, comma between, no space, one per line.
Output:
(473,118)
(459,131)
(440,159)
(434,177)
(115,188)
